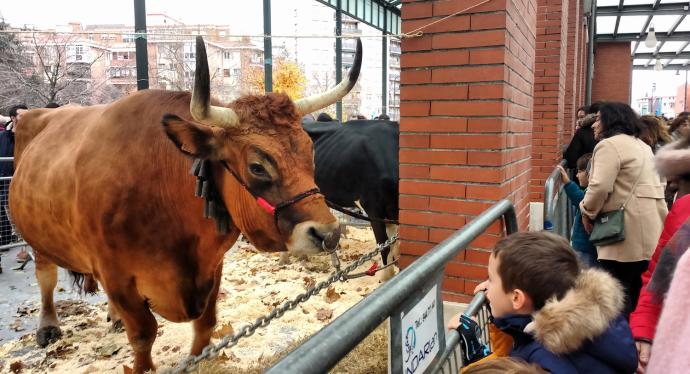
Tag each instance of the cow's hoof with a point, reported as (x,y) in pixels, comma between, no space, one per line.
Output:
(284,259)
(47,335)
(117,327)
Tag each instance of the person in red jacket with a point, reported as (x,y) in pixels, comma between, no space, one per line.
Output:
(673,162)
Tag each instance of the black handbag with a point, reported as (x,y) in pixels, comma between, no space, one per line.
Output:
(609,227)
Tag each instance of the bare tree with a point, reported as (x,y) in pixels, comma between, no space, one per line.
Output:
(175,67)
(321,81)
(171,71)
(65,70)
(14,74)
(53,67)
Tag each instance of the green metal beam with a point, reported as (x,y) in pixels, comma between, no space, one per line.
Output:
(379,14)
(268,48)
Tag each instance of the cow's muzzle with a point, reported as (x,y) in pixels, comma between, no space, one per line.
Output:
(312,237)
(328,237)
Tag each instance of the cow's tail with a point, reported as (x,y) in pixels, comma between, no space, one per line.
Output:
(85,284)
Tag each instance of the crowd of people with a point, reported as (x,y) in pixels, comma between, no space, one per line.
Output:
(614,298)
(325,117)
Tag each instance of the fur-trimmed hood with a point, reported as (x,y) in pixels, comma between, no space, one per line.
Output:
(673,159)
(588,120)
(584,313)
(583,332)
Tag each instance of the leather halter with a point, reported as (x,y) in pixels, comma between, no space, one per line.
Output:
(273,210)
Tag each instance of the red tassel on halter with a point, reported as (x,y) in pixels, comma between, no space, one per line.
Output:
(265,205)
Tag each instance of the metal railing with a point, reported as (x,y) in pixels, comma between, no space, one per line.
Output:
(323,350)
(9,236)
(558,211)
(452,359)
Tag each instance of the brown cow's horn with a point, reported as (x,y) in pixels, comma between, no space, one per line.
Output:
(200,107)
(313,103)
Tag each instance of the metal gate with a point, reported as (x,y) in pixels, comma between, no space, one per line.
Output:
(9,236)
(411,295)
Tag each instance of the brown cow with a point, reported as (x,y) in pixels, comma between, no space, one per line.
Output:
(105,191)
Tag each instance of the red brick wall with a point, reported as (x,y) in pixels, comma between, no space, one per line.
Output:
(582,57)
(466,101)
(612,72)
(549,91)
(572,71)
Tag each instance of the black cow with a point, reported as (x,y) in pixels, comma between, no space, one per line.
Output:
(357,162)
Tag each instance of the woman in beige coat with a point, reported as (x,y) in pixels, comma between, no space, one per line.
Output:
(619,159)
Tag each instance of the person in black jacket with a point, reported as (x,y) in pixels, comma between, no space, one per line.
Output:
(583,141)
(7,170)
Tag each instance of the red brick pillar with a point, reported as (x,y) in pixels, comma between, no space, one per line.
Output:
(572,70)
(549,92)
(581,79)
(612,72)
(466,102)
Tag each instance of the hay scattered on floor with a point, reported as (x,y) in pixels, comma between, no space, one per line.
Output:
(370,356)
(253,284)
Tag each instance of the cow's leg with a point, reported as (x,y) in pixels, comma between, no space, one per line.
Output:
(140,324)
(203,326)
(394,254)
(114,318)
(381,236)
(284,258)
(48,325)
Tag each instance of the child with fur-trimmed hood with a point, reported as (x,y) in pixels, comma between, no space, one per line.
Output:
(562,318)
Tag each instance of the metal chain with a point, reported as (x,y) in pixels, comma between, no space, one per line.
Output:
(211,351)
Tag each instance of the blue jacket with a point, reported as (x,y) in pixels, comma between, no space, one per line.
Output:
(581,333)
(579,238)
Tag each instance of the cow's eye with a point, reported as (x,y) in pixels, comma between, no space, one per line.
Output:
(258,170)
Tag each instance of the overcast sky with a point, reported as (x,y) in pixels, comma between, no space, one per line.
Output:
(243,16)
(666,82)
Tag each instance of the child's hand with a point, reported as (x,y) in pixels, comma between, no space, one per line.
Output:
(643,351)
(481,287)
(587,223)
(454,322)
(564,174)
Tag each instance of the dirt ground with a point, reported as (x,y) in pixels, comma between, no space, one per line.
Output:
(253,284)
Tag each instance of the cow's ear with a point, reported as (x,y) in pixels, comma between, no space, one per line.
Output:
(190,138)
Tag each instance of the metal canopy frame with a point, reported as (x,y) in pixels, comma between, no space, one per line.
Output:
(383,15)
(643,58)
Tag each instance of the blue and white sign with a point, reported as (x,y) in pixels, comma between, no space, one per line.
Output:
(420,334)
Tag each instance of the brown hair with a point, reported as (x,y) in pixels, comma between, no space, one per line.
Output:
(680,120)
(583,161)
(541,264)
(654,131)
(503,365)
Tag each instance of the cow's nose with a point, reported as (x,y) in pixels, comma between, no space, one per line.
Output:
(328,236)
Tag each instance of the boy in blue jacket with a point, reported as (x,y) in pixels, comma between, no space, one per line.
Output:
(561,317)
(579,238)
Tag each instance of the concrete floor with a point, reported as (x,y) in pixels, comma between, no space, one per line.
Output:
(20,291)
